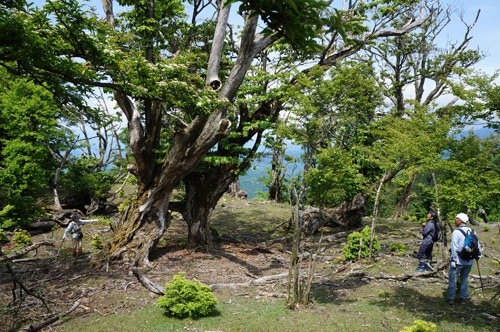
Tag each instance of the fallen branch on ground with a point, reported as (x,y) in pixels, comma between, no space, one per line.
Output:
(492,257)
(24,251)
(403,277)
(23,287)
(51,320)
(259,281)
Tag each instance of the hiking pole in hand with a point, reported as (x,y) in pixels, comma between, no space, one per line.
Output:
(60,246)
(479,271)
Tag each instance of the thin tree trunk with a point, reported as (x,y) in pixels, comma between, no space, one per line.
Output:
(375,213)
(277,160)
(293,286)
(444,237)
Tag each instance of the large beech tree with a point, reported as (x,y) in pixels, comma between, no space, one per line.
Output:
(206,185)
(176,87)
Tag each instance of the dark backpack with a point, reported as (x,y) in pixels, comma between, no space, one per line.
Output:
(470,249)
(437,232)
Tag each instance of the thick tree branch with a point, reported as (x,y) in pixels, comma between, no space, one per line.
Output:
(212,79)
(351,49)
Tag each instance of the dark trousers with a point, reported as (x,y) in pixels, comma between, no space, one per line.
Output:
(425,251)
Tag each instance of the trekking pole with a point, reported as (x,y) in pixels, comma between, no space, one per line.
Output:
(60,246)
(479,271)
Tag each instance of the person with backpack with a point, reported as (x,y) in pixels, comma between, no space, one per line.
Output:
(465,248)
(75,229)
(430,234)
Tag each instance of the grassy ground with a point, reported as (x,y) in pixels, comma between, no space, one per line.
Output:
(384,294)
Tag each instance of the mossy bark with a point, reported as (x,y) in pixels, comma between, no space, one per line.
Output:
(140,229)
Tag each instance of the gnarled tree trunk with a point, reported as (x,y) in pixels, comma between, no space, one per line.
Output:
(143,225)
(203,191)
(348,214)
(404,201)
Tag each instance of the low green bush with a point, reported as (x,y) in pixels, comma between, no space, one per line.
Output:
(22,238)
(352,248)
(184,298)
(398,248)
(96,242)
(420,326)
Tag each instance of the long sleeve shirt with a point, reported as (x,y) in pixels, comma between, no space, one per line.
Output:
(457,243)
(76,226)
(428,231)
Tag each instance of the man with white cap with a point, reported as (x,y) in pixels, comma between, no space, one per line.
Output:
(458,265)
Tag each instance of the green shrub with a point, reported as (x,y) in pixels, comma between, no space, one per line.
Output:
(22,238)
(102,220)
(3,237)
(96,242)
(19,212)
(184,298)
(420,326)
(352,248)
(398,248)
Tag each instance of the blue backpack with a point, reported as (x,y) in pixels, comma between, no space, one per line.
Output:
(470,249)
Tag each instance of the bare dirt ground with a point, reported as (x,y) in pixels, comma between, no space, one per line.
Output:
(49,282)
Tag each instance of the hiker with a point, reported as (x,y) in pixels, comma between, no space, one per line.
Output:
(429,231)
(459,266)
(75,229)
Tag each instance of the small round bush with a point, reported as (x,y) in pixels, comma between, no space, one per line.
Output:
(352,248)
(398,248)
(184,298)
(22,238)
(420,326)
(96,242)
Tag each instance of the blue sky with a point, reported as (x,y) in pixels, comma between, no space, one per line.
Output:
(486,33)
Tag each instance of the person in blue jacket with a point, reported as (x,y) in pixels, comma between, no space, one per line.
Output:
(459,267)
(424,254)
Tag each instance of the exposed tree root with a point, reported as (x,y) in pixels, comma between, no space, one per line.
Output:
(147,283)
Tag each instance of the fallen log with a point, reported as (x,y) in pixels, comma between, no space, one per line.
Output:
(40,227)
(49,321)
(258,281)
(403,277)
(24,251)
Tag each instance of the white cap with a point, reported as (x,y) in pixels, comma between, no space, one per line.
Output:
(463,217)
